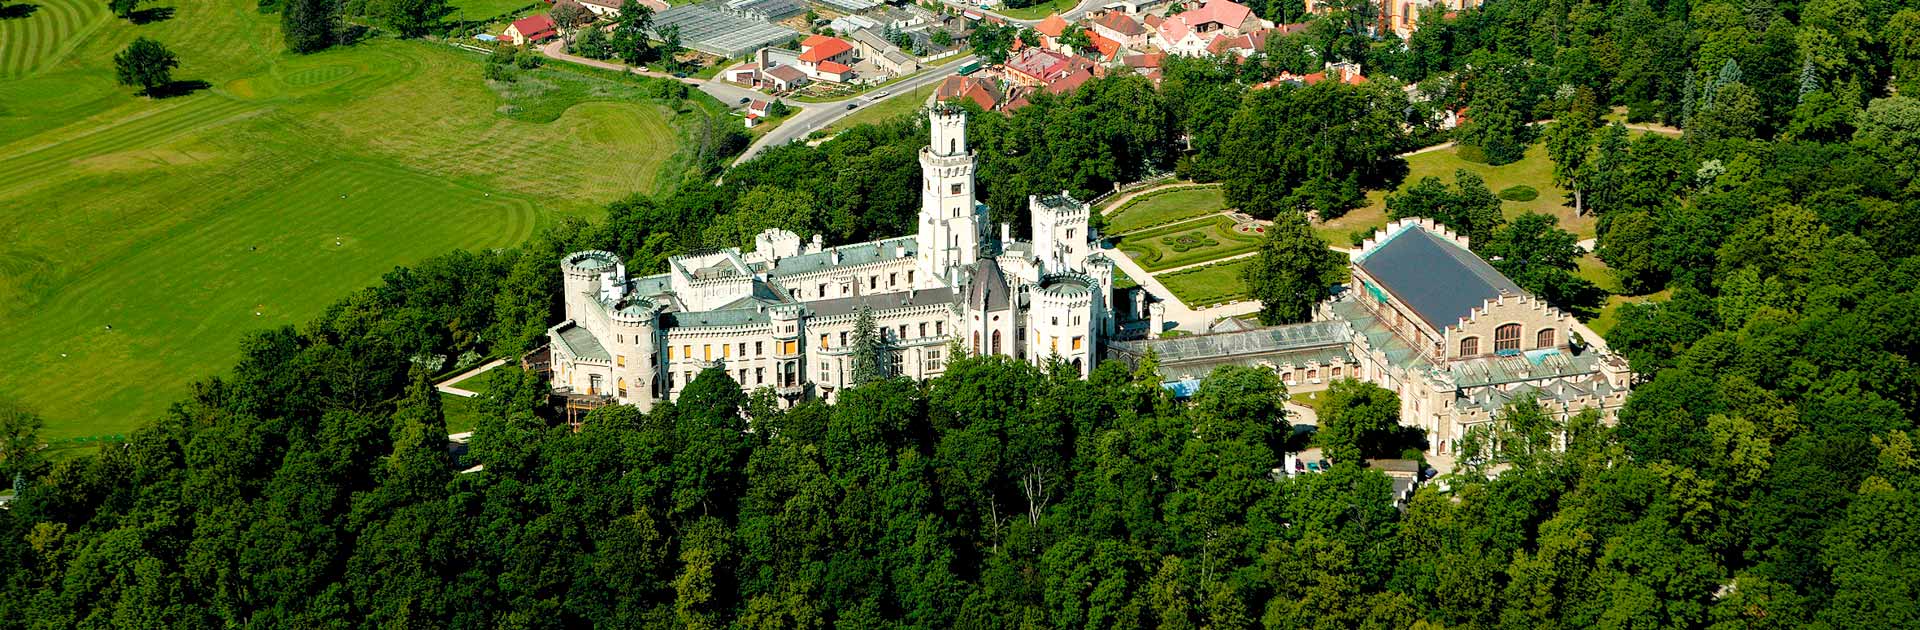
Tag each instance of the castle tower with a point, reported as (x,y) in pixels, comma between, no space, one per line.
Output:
(582,274)
(950,219)
(1060,230)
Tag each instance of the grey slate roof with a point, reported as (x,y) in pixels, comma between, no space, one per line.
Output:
(1441,281)
(988,290)
(881,302)
(1252,343)
(582,344)
(856,254)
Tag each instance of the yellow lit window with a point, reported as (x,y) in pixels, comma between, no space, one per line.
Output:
(620,360)
(787,347)
(686,351)
(823,341)
(726,351)
(706,352)
(1076,343)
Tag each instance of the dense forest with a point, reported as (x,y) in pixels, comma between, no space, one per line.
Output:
(1762,475)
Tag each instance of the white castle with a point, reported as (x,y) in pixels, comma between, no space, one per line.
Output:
(782,316)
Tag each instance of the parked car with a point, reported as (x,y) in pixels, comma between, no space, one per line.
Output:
(744,99)
(852,105)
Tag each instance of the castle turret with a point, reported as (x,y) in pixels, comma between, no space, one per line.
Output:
(582,278)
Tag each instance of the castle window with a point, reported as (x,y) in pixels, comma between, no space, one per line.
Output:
(620,360)
(669,380)
(1313,376)
(1544,339)
(823,289)
(955,189)
(976,342)
(621,384)
(1469,346)
(939,329)
(1506,337)
(933,360)
(1069,235)
(619,338)
(743,348)
(909,277)
(1286,377)
(903,332)
(669,353)
(686,351)
(726,351)
(873,282)
(759,349)
(823,341)
(996,342)
(923,329)
(843,339)
(893,279)
(1336,372)
(1076,343)
(759,376)
(706,352)
(953,146)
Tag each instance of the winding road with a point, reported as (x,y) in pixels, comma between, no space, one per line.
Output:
(806,118)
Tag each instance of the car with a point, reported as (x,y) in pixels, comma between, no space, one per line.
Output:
(852,105)
(882,93)
(744,99)
(679,75)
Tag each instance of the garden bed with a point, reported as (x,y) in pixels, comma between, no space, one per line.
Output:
(1187,243)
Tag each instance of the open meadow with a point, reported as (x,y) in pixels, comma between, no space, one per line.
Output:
(140,239)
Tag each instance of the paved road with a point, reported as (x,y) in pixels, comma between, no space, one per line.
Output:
(820,115)
(808,117)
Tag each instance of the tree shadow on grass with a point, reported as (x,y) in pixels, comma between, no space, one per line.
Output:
(177,88)
(17,11)
(149,16)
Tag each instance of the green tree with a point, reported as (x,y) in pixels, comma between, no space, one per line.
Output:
(414,18)
(1498,113)
(1358,420)
(1544,260)
(20,443)
(310,25)
(1569,140)
(568,14)
(593,44)
(870,352)
(123,8)
(1293,271)
(145,63)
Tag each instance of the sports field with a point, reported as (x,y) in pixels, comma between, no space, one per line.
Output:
(140,239)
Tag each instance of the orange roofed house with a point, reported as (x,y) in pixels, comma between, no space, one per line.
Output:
(825,58)
(1192,33)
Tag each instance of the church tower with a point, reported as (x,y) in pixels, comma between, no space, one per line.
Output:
(950,219)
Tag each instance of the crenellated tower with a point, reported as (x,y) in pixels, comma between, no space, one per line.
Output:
(950,219)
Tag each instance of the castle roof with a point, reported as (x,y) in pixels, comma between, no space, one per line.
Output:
(988,291)
(580,343)
(881,302)
(850,255)
(1437,278)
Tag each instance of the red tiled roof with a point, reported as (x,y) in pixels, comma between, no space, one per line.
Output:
(1145,61)
(1107,47)
(535,27)
(834,67)
(1120,23)
(1222,11)
(1038,63)
(1070,82)
(1152,21)
(1053,26)
(786,74)
(820,48)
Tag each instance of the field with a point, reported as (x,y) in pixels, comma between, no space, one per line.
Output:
(488,10)
(1163,207)
(140,239)
(1187,243)
(1534,170)
(892,107)
(1206,286)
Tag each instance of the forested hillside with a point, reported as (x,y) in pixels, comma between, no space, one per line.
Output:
(1762,475)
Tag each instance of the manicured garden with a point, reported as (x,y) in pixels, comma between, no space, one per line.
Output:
(185,223)
(1201,287)
(1187,243)
(1513,182)
(1164,206)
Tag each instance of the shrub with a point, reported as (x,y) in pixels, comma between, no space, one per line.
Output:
(1520,192)
(1189,242)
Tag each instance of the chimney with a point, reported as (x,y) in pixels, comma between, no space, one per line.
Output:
(1006,232)
(836,256)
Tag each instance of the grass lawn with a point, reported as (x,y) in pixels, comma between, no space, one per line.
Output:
(1535,170)
(1161,208)
(488,10)
(187,222)
(892,107)
(1209,285)
(1187,243)
(1038,11)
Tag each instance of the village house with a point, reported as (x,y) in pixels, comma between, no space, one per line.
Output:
(1192,33)
(533,28)
(1402,17)
(978,90)
(883,54)
(1120,27)
(824,58)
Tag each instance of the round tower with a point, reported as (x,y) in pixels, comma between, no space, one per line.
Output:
(1063,319)
(581,272)
(636,342)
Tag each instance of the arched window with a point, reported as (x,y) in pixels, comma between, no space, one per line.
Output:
(1506,337)
(976,342)
(996,342)
(1544,339)
(1076,366)
(953,146)
(1336,373)
(1469,346)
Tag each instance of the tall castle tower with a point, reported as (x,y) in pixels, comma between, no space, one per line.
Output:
(950,219)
